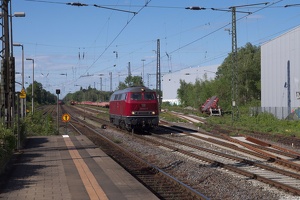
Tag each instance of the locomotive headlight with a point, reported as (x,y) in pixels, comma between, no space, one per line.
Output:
(133,113)
(153,112)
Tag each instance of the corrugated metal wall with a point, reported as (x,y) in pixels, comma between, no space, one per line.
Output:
(170,81)
(275,55)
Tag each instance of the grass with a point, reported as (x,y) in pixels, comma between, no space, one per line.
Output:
(170,117)
(263,122)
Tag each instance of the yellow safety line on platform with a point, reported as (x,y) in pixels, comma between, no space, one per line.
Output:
(90,183)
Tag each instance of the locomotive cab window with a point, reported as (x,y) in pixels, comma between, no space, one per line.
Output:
(149,96)
(112,97)
(136,96)
(120,96)
(124,95)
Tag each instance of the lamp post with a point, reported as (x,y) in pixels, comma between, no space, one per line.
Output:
(32,83)
(20,45)
(16,14)
(22,102)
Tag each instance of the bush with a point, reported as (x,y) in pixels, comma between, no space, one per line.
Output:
(38,124)
(7,145)
(7,139)
(10,142)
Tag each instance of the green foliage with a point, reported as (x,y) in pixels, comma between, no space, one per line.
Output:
(41,96)
(38,124)
(7,139)
(10,142)
(90,94)
(7,145)
(171,118)
(263,122)
(248,77)
(131,81)
(122,86)
(22,130)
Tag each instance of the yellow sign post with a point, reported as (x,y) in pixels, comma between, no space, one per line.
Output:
(22,94)
(66,117)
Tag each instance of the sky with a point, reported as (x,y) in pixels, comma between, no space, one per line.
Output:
(77,46)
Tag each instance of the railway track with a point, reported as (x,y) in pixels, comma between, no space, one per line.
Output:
(161,183)
(271,154)
(253,169)
(285,180)
(267,151)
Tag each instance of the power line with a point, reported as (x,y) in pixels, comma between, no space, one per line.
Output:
(109,5)
(120,32)
(137,13)
(78,4)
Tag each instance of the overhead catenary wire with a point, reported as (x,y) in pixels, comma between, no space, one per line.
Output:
(170,51)
(120,32)
(267,5)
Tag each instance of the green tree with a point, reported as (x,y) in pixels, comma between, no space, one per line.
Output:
(41,96)
(131,81)
(248,77)
(185,93)
(90,94)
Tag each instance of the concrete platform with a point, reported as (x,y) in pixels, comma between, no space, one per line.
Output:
(63,167)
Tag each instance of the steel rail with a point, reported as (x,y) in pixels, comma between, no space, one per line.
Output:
(229,167)
(147,169)
(256,151)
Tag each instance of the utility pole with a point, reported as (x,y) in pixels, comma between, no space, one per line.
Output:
(101,84)
(158,79)
(129,70)
(234,81)
(234,68)
(110,79)
(143,60)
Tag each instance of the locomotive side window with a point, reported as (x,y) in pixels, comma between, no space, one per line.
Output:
(136,96)
(124,95)
(120,96)
(112,97)
(149,96)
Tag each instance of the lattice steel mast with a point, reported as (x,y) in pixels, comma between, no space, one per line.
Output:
(7,69)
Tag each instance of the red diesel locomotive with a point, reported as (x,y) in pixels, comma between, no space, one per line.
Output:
(134,107)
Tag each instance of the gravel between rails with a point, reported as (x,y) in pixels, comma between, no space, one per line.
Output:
(216,183)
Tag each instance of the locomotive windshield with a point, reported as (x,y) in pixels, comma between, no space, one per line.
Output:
(136,96)
(145,96)
(149,96)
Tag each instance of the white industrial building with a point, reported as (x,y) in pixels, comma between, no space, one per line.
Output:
(280,74)
(171,81)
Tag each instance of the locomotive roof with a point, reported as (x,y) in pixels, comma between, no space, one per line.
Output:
(134,89)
